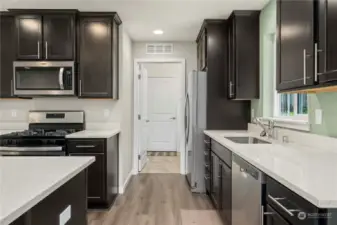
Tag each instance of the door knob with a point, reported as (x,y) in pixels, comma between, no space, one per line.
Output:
(147,121)
(172,118)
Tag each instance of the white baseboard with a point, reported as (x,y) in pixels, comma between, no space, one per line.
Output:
(123,187)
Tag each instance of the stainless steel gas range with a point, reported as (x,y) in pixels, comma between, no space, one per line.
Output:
(46,135)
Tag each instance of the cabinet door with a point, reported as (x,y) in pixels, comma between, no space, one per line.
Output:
(7,55)
(59,37)
(226,194)
(327,46)
(273,218)
(115,60)
(203,51)
(215,193)
(231,58)
(95,57)
(29,37)
(96,177)
(295,44)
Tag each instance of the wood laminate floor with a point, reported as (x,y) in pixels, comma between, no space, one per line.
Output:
(162,164)
(158,199)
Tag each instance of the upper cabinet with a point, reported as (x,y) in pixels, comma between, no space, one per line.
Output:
(306,46)
(295,44)
(243,55)
(326,44)
(45,34)
(202,51)
(98,46)
(7,54)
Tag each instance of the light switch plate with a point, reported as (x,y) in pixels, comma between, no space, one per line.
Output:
(65,215)
(318,116)
(14,113)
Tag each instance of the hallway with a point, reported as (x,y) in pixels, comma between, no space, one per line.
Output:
(158,199)
(162,164)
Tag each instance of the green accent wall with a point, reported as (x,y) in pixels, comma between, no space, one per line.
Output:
(264,106)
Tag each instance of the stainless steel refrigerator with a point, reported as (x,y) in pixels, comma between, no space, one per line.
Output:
(195,124)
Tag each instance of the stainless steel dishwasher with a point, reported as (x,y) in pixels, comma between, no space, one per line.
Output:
(248,185)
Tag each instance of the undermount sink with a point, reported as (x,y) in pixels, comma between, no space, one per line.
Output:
(247,140)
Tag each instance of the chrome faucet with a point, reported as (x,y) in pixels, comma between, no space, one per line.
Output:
(267,130)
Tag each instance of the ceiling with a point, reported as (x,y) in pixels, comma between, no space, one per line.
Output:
(179,19)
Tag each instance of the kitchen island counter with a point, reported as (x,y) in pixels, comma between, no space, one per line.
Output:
(26,181)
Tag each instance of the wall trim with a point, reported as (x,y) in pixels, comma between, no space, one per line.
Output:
(121,189)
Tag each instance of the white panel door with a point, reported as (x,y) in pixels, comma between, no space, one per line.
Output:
(163,100)
(144,127)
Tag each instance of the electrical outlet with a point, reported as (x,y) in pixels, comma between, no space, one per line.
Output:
(318,116)
(106,113)
(253,114)
(14,113)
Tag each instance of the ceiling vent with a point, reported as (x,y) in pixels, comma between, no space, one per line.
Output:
(159,48)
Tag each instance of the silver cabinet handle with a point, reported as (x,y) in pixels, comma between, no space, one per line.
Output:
(206,165)
(85,146)
(83,154)
(231,88)
(304,66)
(61,78)
(205,153)
(315,62)
(207,142)
(80,87)
(276,201)
(206,177)
(12,86)
(38,49)
(46,50)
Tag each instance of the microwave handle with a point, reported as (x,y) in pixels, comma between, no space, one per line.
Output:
(61,78)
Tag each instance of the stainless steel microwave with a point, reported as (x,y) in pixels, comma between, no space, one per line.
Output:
(44,78)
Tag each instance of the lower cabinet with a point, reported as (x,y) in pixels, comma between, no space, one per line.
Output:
(220,181)
(226,193)
(103,173)
(216,176)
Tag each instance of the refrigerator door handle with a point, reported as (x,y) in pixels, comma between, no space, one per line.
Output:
(187,118)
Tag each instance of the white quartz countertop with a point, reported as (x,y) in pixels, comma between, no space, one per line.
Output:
(95,133)
(25,181)
(309,172)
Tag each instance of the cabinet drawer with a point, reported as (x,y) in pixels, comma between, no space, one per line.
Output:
(207,142)
(86,146)
(223,153)
(289,204)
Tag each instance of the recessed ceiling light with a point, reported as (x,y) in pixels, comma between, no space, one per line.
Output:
(158,32)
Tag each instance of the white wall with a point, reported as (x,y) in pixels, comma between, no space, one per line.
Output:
(14,113)
(186,50)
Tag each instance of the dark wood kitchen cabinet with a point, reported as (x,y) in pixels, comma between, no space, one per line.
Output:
(202,51)
(295,44)
(216,178)
(45,34)
(7,54)
(103,173)
(326,45)
(98,55)
(243,55)
(226,193)
(219,106)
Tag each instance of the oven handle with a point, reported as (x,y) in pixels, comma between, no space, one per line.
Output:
(35,149)
(61,78)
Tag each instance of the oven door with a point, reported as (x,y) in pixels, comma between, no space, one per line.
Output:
(32,151)
(43,78)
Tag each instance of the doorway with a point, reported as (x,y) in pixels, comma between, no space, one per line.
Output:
(159,108)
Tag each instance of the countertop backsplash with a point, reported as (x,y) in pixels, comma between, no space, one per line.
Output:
(14,113)
(299,137)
